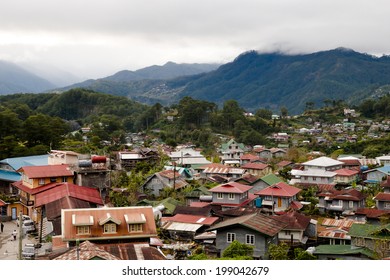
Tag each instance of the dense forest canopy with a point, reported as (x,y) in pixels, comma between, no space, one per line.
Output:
(35,123)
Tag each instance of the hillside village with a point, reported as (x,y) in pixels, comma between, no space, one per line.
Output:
(324,204)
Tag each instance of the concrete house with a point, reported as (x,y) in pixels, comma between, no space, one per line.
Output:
(257,230)
(231,194)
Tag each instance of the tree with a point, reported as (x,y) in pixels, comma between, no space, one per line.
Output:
(278,252)
(237,250)
(264,114)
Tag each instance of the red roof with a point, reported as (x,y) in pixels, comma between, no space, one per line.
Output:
(280,189)
(257,166)
(231,187)
(46,171)
(2,203)
(382,197)
(199,204)
(170,174)
(249,157)
(371,213)
(191,219)
(19,185)
(346,172)
(62,190)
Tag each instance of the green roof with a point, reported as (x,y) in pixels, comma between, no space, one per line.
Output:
(169,204)
(198,192)
(271,179)
(225,146)
(341,250)
(370,231)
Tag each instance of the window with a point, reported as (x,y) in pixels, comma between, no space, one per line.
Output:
(53,179)
(231,196)
(64,179)
(41,181)
(135,228)
(219,195)
(250,239)
(83,230)
(359,241)
(230,237)
(387,205)
(350,204)
(109,228)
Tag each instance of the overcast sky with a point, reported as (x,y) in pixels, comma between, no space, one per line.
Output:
(96,38)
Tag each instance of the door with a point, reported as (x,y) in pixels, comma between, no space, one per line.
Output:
(13,213)
(279,202)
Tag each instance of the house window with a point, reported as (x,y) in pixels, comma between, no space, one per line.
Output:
(360,242)
(53,179)
(41,181)
(250,239)
(387,205)
(64,179)
(350,204)
(219,195)
(230,237)
(109,228)
(83,230)
(135,228)
(231,196)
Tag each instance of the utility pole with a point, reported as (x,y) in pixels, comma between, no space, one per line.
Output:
(20,235)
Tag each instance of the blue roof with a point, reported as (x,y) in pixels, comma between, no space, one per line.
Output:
(19,162)
(9,176)
(384,169)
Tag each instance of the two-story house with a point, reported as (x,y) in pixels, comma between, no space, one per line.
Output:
(277,197)
(231,152)
(346,176)
(231,194)
(167,179)
(257,169)
(106,225)
(341,202)
(36,179)
(382,199)
(377,175)
(257,230)
(375,238)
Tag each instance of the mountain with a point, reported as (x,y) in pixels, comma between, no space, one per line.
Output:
(274,80)
(118,82)
(15,79)
(260,80)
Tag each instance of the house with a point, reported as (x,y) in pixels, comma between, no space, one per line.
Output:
(9,173)
(263,152)
(257,230)
(200,193)
(36,179)
(231,194)
(247,158)
(298,230)
(377,175)
(264,182)
(350,162)
(231,152)
(383,160)
(382,199)
(278,152)
(323,163)
(57,157)
(371,215)
(167,179)
(49,203)
(375,238)
(184,227)
(346,176)
(188,157)
(257,169)
(335,231)
(277,197)
(343,202)
(341,252)
(213,169)
(128,160)
(107,225)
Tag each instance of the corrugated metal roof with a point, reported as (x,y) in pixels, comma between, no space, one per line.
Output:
(19,162)
(194,219)
(46,171)
(264,224)
(9,176)
(176,226)
(280,189)
(231,187)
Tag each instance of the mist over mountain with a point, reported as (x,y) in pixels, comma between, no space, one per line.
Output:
(15,79)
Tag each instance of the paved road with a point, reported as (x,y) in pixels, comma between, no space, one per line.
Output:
(9,248)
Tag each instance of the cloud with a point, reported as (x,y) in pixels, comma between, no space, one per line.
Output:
(94,38)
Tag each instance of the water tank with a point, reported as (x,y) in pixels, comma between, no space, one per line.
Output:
(364,168)
(206,198)
(99,159)
(85,163)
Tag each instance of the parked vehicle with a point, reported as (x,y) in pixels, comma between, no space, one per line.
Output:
(28,251)
(28,226)
(24,218)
